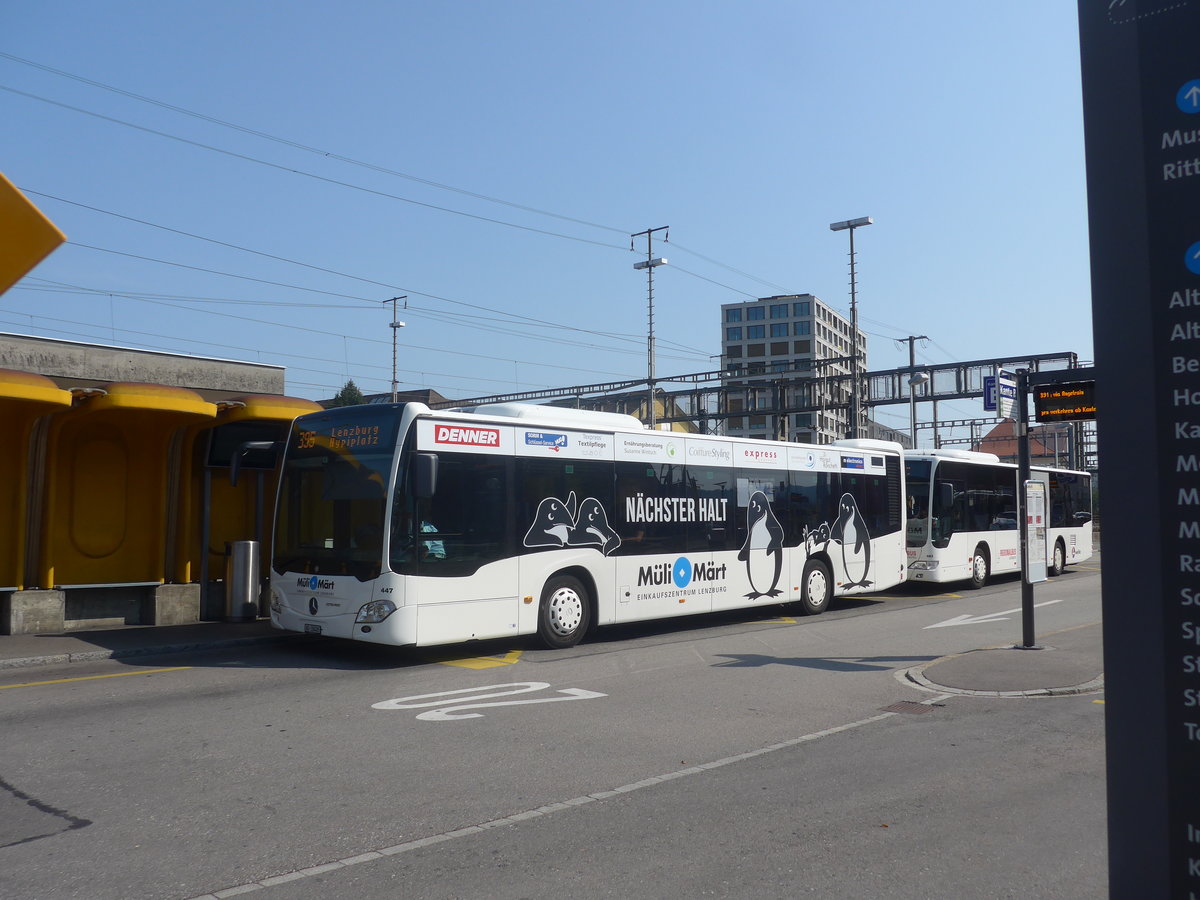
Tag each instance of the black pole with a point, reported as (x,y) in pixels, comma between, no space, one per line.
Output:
(1022,416)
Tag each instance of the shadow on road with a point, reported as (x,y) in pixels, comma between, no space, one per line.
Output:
(827,664)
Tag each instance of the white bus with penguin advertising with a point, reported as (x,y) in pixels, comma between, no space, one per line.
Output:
(401,525)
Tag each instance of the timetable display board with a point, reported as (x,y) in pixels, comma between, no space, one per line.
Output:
(1066,402)
(1141,92)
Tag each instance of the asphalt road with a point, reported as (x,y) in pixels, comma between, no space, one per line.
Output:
(749,755)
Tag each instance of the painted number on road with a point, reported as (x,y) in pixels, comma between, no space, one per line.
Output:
(450,706)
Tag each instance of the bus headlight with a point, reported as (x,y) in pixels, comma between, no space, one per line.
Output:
(927,565)
(375,611)
(276,601)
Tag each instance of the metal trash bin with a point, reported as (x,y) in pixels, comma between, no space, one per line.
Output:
(241,581)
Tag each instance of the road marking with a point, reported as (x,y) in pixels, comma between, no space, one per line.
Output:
(987,618)
(5,687)
(479,662)
(946,596)
(451,704)
(517,818)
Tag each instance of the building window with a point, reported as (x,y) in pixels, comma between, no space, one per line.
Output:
(804,308)
(734,351)
(756,331)
(733,315)
(733,334)
(779,329)
(779,348)
(755,350)
(804,328)
(755,312)
(803,346)
(779,311)
(804,420)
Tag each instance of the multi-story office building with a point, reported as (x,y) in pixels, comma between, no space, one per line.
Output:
(780,348)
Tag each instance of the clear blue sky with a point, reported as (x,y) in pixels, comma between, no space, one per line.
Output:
(387,132)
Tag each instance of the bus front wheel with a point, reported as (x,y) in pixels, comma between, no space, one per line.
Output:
(980,569)
(1058,561)
(564,613)
(817,587)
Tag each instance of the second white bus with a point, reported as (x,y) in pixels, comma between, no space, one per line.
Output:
(962,516)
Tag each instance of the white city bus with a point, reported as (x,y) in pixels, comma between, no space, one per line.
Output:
(400,525)
(962,516)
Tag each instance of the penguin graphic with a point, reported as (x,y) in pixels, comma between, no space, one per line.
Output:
(764,540)
(552,523)
(559,524)
(591,528)
(850,530)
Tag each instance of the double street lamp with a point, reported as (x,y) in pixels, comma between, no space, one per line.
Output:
(850,225)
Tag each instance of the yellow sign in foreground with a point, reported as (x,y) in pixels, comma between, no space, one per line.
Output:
(26,236)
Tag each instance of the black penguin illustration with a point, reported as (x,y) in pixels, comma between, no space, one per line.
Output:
(850,530)
(763,551)
(592,528)
(818,535)
(552,524)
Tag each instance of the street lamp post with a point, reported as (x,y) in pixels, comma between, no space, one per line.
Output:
(396,326)
(915,380)
(649,264)
(850,225)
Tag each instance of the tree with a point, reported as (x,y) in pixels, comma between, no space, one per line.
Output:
(349,395)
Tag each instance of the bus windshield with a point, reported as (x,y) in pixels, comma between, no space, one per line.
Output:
(333,493)
(916,475)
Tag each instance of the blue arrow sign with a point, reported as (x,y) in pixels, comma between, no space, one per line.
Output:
(1188,97)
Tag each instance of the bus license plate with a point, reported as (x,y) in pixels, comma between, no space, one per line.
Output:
(309,628)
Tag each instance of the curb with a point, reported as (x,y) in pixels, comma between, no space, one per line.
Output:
(126,653)
(915,677)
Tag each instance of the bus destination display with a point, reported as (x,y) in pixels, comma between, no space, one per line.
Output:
(1075,401)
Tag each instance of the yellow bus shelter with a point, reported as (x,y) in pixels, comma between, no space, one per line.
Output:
(111,460)
(24,398)
(212,511)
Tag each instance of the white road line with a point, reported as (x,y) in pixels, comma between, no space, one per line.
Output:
(469,830)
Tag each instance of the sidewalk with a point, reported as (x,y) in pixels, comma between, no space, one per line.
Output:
(1068,662)
(20,650)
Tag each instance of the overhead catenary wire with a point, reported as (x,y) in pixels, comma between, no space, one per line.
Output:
(529,320)
(326,154)
(318,331)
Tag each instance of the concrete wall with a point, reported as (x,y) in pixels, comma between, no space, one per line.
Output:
(71,364)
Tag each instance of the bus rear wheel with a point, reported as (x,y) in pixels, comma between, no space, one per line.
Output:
(564,613)
(817,585)
(980,569)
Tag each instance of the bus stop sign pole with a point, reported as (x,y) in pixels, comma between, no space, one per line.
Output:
(1021,412)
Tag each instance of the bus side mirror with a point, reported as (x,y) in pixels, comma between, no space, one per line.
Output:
(425,475)
(254,455)
(945,495)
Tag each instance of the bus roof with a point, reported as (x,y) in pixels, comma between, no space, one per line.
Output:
(965,455)
(557,415)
